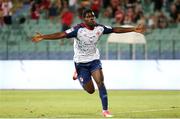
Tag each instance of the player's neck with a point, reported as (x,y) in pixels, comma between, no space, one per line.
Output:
(89,27)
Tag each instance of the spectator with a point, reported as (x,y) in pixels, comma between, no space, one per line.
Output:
(38,1)
(173,13)
(138,10)
(158,5)
(73,5)
(35,12)
(108,12)
(167,4)
(53,11)
(83,4)
(130,3)
(162,20)
(7,11)
(59,4)
(1,14)
(45,5)
(152,21)
(106,3)
(119,16)
(129,16)
(26,2)
(114,5)
(66,18)
(142,19)
(178,18)
(95,6)
(177,3)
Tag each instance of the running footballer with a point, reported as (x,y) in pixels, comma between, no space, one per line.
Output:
(86,55)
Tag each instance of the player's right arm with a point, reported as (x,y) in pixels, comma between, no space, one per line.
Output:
(139,29)
(39,37)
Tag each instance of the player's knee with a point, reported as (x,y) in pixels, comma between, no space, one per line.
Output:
(91,91)
(100,83)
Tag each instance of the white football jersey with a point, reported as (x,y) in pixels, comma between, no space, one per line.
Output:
(85,41)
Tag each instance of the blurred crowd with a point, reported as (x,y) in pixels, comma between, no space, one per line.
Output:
(152,13)
(5,12)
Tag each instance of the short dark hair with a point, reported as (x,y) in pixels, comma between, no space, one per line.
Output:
(85,11)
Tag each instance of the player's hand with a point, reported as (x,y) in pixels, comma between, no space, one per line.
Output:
(37,37)
(140,28)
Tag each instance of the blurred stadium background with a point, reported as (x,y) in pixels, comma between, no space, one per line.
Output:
(25,17)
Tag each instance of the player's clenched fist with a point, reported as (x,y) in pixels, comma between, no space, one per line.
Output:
(38,37)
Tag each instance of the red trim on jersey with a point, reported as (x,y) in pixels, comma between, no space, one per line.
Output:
(88,27)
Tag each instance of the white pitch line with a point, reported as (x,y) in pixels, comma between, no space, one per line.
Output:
(151,110)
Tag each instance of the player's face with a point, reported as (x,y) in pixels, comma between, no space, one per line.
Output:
(89,19)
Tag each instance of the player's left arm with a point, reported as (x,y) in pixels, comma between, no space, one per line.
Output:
(139,29)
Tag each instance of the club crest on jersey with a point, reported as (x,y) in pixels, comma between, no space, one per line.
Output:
(98,33)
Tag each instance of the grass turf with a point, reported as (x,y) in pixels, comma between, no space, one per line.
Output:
(79,104)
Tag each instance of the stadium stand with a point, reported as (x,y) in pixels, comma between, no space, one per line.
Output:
(15,39)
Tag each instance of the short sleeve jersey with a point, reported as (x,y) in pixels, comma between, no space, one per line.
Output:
(85,41)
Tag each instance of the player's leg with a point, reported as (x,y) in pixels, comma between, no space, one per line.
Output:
(99,79)
(84,77)
(97,74)
(89,87)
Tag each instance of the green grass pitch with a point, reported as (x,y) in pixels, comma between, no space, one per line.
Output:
(79,104)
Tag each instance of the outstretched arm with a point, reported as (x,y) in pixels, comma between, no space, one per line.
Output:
(39,37)
(139,28)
